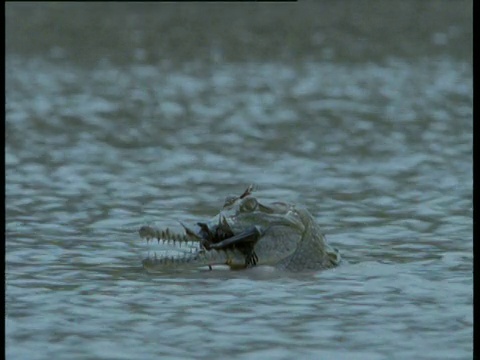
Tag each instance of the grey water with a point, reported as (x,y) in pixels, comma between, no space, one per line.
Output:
(121,115)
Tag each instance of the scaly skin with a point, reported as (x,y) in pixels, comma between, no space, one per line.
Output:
(248,233)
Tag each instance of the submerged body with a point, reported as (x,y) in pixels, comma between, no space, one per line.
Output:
(248,233)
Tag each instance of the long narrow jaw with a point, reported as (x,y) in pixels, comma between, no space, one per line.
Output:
(210,244)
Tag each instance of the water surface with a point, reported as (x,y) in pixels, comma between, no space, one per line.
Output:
(119,116)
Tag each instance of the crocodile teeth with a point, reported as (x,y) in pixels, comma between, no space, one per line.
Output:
(168,237)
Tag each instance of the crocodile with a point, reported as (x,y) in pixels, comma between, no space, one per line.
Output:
(248,233)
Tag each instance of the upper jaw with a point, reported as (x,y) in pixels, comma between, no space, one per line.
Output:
(238,227)
(229,229)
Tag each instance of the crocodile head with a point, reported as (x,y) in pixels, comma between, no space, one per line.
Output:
(247,233)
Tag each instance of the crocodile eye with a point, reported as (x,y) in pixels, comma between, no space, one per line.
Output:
(249,205)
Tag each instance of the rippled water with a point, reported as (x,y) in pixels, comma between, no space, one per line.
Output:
(104,136)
